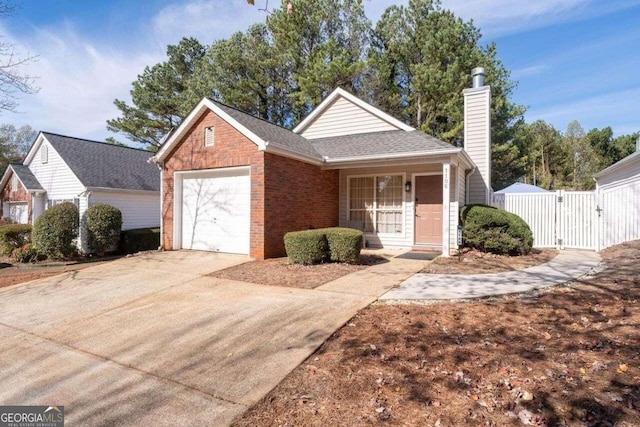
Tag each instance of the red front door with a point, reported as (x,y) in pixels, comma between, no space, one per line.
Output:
(428,216)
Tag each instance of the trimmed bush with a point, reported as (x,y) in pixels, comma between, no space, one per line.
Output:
(27,253)
(14,236)
(140,239)
(104,223)
(56,230)
(493,230)
(345,244)
(307,247)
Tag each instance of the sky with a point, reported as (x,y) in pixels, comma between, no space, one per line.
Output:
(572,59)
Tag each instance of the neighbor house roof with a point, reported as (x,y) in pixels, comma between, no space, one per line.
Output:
(102,165)
(620,164)
(26,177)
(519,187)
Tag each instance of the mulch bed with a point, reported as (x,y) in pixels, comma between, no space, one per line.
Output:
(568,356)
(278,272)
(475,262)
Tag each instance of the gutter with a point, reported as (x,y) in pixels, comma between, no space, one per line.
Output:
(122,190)
(466,183)
(329,160)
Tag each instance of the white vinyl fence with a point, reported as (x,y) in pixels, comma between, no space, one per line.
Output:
(620,220)
(561,219)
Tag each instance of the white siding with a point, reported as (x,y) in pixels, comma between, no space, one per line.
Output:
(406,239)
(138,210)
(454,216)
(477,141)
(619,198)
(55,176)
(343,117)
(83,204)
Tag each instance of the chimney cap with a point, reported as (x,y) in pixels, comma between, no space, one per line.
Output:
(477,77)
(477,71)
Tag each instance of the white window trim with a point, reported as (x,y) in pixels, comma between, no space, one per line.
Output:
(44,154)
(209,141)
(14,183)
(404,202)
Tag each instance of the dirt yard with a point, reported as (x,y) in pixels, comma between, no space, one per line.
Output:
(22,278)
(569,356)
(475,262)
(278,272)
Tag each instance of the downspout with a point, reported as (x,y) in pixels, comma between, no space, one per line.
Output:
(466,184)
(161,167)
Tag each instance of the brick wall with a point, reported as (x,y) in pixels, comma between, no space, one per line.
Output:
(298,196)
(16,196)
(286,194)
(231,148)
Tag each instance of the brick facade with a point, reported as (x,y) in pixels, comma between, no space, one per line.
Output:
(286,194)
(16,196)
(298,196)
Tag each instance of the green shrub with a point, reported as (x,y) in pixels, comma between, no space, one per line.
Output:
(345,244)
(307,247)
(141,239)
(493,230)
(27,253)
(104,223)
(56,230)
(14,236)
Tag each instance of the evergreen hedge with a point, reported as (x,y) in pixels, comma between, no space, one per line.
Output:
(493,230)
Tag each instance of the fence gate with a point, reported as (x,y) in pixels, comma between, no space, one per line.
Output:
(562,219)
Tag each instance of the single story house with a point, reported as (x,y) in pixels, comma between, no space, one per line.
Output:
(235,183)
(618,198)
(61,168)
(521,188)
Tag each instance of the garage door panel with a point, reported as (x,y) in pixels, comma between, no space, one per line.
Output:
(19,212)
(216,214)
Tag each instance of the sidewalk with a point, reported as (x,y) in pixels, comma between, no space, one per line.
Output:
(568,265)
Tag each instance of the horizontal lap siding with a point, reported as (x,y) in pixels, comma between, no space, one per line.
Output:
(343,117)
(55,176)
(477,139)
(138,210)
(406,239)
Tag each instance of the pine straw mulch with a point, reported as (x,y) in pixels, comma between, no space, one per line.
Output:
(568,356)
(278,272)
(475,262)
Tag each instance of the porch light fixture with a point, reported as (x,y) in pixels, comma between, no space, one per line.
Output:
(407,187)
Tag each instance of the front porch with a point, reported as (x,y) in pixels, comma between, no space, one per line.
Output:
(404,205)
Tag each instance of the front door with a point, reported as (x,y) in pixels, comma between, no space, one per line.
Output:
(428,216)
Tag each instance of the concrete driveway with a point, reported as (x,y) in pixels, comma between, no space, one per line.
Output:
(149,340)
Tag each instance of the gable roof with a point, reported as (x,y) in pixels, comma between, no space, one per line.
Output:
(379,143)
(519,187)
(102,165)
(341,93)
(24,174)
(270,133)
(405,142)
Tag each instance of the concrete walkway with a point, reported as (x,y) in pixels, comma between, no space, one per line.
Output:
(568,265)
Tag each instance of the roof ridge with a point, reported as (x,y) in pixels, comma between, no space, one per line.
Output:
(255,117)
(96,142)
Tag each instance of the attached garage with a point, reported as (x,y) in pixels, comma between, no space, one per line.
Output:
(213,210)
(19,212)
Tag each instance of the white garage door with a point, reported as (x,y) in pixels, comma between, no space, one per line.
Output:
(19,212)
(216,212)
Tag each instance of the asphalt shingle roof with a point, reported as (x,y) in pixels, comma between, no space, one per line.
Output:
(98,164)
(378,143)
(273,134)
(28,179)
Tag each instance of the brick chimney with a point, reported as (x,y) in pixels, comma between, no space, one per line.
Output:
(477,137)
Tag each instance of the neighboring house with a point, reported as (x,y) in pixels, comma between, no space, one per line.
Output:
(62,168)
(235,183)
(618,194)
(520,188)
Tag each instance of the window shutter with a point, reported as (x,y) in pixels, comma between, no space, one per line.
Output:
(44,154)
